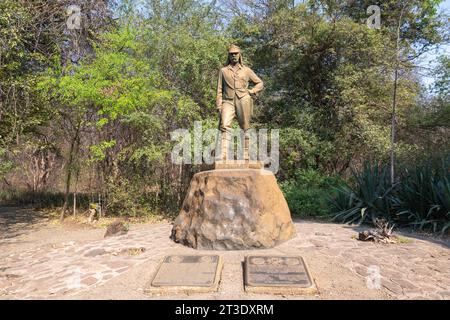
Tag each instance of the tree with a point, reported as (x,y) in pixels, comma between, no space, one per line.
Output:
(329,79)
(415,27)
(132,100)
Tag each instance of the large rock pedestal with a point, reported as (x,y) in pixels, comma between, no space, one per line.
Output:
(233,209)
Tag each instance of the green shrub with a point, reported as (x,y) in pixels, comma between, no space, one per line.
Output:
(129,198)
(308,193)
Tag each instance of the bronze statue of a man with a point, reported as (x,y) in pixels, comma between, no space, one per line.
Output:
(234,98)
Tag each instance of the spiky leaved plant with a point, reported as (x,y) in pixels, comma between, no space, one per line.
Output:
(367,198)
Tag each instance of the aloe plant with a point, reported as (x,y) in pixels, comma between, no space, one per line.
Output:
(421,198)
(367,198)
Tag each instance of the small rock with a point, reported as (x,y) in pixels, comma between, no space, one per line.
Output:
(116,228)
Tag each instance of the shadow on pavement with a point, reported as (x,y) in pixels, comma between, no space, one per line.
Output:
(16,221)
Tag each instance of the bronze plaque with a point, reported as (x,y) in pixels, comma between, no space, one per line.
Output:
(189,271)
(276,271)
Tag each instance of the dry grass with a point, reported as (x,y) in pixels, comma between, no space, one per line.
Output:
(81,220)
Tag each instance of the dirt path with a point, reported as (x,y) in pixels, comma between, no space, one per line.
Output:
(42,260)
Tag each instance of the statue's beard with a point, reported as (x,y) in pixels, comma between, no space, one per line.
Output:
(234,60)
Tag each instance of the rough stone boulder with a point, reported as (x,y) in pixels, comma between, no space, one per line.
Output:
(233,210)
(117,228)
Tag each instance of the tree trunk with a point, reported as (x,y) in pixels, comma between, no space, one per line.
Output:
(67,190)
(394,100)
(393,120)
(72,154)
(75,203)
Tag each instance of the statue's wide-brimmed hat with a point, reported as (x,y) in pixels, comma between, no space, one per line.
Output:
(234,49)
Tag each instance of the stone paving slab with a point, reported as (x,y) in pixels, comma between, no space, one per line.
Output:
(120,267)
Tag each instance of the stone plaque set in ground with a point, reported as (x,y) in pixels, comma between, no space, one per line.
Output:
(187,274)
(262,274)
(277,275)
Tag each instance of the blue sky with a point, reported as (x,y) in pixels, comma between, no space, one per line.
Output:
(446,5)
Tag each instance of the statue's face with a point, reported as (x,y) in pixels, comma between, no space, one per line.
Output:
(234,56)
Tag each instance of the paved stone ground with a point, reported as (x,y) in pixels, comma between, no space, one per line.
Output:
(120,267)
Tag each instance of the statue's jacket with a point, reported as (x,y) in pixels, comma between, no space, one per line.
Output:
(233,83)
